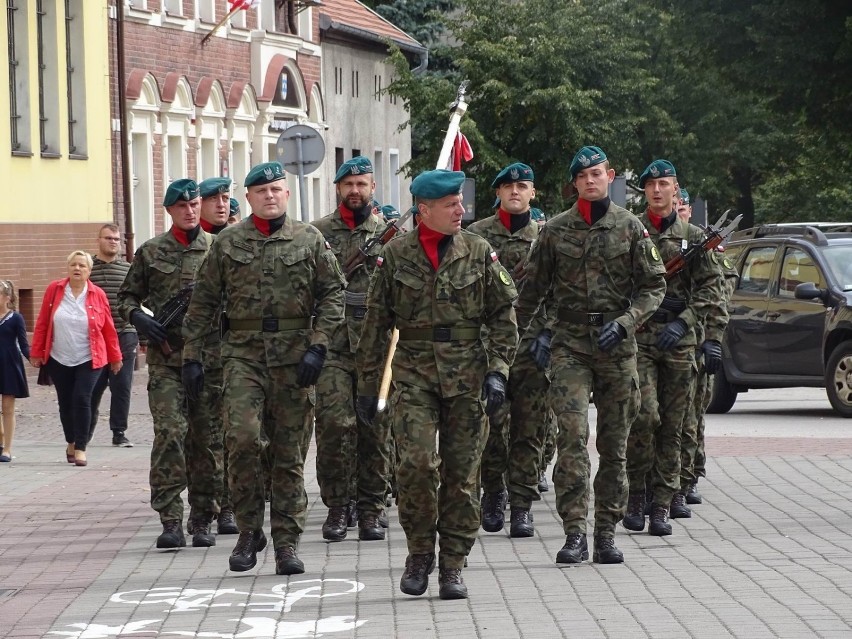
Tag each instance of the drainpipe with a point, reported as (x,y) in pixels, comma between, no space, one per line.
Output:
(124,140)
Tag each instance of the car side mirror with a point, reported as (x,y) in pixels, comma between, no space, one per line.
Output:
(810,291)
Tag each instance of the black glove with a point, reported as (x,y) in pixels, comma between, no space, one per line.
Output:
(148,326)
(366,407)
(611,335)
(712,356)
(671,334)
(309,368)
(540,349)
(493,392)
(192,376)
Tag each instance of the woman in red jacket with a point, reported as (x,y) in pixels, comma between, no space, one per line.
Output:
(75,338)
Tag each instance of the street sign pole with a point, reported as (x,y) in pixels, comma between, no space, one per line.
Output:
(303,192)
(300,150)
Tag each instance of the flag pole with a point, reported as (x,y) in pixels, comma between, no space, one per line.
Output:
(219,24)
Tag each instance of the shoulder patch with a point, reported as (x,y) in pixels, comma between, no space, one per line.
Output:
(728,264)
(504,277)
(655,254)
(494,256)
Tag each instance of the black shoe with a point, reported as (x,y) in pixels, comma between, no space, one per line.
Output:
(172,535)
(493,505)
(606,552)
(543,486)
(202,537)
(118,439)
(451,584)
(575,550)
(334,528)
(658,524)
(352,514)
(244,555)
(226,524)
(693,496)
(649,501)
(369,528)
(415,579)
(634,516)
(287,563)
(522,523)
(383,519)
(679,509)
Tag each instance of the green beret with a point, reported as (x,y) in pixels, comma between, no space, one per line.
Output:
(359,165)
(235,208)
(586,157)
(182,189)
(214,186)
(265,173)
(389,212)
(537,214)
(684,196)
(433,185)
(657,169)
(517,172)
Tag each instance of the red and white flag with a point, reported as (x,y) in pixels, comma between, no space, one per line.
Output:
(237,5)
(461,152)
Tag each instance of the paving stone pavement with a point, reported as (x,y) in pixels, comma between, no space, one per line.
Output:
(768,554)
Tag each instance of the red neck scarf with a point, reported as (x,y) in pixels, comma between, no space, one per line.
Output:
(180,236)
(262,225)
(210,227)
(505,218)
(429,240)
(585,207)
(656,220)
(347,215)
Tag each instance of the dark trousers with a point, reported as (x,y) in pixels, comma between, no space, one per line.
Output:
(74,386)
(119,383)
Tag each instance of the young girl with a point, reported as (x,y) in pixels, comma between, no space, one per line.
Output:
(13,381)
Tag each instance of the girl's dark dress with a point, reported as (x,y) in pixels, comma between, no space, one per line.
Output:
(13,335)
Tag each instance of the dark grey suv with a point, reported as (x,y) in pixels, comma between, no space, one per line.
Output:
(791,313)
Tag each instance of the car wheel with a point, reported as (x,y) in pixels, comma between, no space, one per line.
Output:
(723,395)
(838,379)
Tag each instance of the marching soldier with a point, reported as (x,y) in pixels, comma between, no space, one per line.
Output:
(441,287)
(350,454)
(234,212)
(666,362)
(180,455)
(513,452)
(272,273)
(597,261)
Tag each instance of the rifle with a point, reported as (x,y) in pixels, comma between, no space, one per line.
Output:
(386,235)
(173,312)
(713,237)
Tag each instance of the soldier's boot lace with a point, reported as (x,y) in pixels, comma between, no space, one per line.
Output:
(693,496)
(172,535)
(634,516)
(202,537)
(658,524)
(244,555)
(575,550)
(226,524)
(679,509)
(493,505)
(415,579)
(451,584)
(334,528)
(369,528)
(521,523)
(287,563)
(606,551)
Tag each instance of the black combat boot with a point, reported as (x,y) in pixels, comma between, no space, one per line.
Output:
(202,537)
(493,505)
(543,486)
(287,563)
(649,501)
(352,514)
(658,524)
(172,535)
(575,550)
(334,528)
(634,517)
(606,552)
(679,509)
(383,519)
(451,584)
(693,496)
(244,555)
(522,523)
(415,579)
(369,528)
(226,523)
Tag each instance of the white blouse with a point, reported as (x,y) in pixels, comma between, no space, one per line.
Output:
(71,345)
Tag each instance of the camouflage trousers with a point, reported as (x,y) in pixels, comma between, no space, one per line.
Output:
(210,412)
(616,386)
(692,458)
(439,442)
(653,448)
(548,447)
(181,455)
(336,432)
(260,399)
(513,451)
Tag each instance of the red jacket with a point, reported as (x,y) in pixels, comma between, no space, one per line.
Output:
(102,336)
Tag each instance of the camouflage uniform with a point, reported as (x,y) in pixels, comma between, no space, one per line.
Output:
(599,273)
(513,451)
(270,287)
(181,454)
(352,458)
(665,377)
(438,372)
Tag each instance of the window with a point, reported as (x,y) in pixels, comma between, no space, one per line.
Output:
(76,76)
(48,78)
(19,77)
(338,158)
(355,153)
(798,267)
(757,270)
(338,80)
(377,88)
(378,175)
(173,7)
(355,88)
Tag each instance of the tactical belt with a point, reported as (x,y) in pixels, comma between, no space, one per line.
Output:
(270,324)
(589,319)
(440,333)
(663,316)
(356,304)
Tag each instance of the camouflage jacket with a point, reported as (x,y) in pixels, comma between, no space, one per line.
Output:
(345,243)
(470,290)
(609,267)
(698,285)
(284,279)
(729,283)
(161,267)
